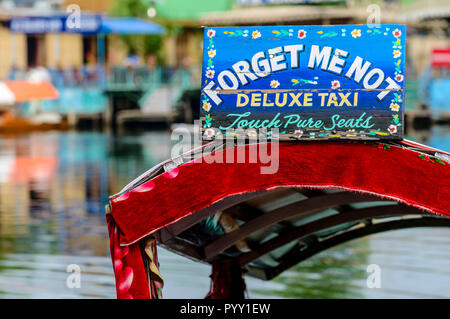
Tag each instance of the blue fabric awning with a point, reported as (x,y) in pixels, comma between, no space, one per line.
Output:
(129,25)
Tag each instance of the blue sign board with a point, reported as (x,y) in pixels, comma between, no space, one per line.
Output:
(84,24)
(309,82)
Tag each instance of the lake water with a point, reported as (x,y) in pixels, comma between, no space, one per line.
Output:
(53,189)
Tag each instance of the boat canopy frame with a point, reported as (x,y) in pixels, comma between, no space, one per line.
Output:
(324,194)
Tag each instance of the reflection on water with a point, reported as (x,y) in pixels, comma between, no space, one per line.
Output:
(53,188)
(414,263)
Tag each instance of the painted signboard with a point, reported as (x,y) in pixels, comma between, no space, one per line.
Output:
(88,24)
(308,82)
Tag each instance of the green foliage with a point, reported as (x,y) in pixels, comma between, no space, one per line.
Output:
(143,45)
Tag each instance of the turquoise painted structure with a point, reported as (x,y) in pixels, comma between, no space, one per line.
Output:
(78,101)
(434,92)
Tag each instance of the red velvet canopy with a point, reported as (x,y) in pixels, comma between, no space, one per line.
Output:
(399,173)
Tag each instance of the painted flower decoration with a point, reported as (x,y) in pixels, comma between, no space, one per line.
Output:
(211,33)
(397,53)
(209,133)
(212,53)
(206,106)
(301,34)
(399,78)
(356,33)
(274,84)
(210,74)
(298,133)
(395,107)
(256,34)
(397,33)
(335,84)
(392,129)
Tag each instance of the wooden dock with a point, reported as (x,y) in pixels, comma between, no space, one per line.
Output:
(424,119)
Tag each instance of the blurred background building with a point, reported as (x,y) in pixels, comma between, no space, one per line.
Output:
(135,60)
(118,70)
(181,45)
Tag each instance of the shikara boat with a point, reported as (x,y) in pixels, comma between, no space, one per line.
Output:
(14,92)
(240,221)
